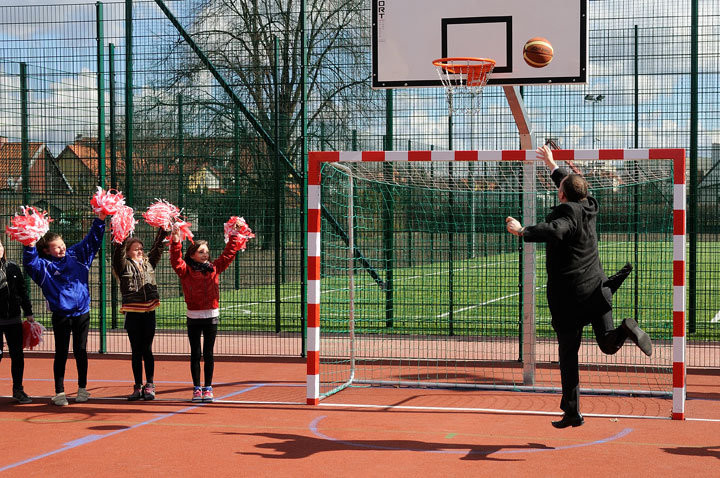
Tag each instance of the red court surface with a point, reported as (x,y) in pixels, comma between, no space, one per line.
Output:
(260,426)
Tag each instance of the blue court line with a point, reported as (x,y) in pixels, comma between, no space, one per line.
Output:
(94,437)
(317,433)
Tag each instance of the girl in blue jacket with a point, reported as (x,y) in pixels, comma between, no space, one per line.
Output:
(62,274)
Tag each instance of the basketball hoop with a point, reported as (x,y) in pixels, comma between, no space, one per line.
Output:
(464,78)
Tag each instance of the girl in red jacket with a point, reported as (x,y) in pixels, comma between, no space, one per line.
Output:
(201,287)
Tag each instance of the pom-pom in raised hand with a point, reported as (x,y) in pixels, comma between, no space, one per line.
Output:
(123,224)
(107,202)
(162,214)
(183,228)
(29,226)
(236,226)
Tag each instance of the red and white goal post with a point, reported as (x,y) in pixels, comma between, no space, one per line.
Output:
(675,157)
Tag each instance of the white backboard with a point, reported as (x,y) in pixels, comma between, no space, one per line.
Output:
(409,34)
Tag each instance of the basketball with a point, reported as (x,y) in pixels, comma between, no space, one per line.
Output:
(538,52)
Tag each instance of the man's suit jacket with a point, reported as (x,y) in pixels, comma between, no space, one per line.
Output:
(575,275)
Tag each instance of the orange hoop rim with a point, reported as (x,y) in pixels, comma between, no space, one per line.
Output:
(476,70)
(481,62)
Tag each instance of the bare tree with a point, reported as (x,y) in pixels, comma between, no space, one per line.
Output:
(239,37)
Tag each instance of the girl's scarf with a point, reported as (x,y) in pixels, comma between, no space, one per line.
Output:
(204,267)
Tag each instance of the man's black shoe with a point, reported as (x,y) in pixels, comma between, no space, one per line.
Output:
(638,335)
(569,421)
(616,280)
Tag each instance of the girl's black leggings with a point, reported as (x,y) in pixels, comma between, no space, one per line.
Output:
(140,328)
(208,330)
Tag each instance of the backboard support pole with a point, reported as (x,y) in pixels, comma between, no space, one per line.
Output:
(527,142)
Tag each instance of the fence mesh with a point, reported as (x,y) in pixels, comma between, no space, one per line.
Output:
(189,140)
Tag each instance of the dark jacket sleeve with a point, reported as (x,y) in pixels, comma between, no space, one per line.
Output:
(561,224)
(157,248)
(22,291)
(118,259)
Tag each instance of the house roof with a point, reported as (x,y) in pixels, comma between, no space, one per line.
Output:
(11,165)
(88,155)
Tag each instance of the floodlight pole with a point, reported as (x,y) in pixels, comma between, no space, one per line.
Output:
(594,100)
(527,142)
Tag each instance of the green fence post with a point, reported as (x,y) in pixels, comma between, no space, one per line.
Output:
(24,141)
(693,189)
(24,146)
(180,152)
(451,238)
(409,205)
(636,196)
(303,174)
(388,213)
(128,103)
(277,165)
(113,173)
(236,173)
(180,159)
(101,164)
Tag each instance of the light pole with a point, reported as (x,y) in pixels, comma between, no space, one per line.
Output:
(594,100)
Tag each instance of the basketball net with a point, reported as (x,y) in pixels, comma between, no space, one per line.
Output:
(464,79)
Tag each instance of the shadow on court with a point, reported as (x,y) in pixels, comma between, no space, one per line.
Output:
(709,451)
(294,447)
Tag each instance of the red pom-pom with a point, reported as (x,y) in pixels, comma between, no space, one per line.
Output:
(28,227)
(123,224)
(161,214)
(236,226)
(107,202)
(184,229)
(32,334)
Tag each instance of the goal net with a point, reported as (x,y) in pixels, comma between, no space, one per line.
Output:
(413,280)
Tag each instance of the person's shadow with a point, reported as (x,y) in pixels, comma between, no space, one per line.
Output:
(710,451)
(288,446)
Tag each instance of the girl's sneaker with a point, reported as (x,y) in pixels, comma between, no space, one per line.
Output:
(149,391)
(82,396)
(197,394)
(21,396)
(137,393)
(207,394)
(59,399)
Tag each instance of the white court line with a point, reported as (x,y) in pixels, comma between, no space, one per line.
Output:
(716,318)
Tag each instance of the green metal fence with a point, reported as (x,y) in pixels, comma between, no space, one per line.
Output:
(220,129)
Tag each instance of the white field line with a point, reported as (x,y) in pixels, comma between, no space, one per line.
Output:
(297,296)
(445,314)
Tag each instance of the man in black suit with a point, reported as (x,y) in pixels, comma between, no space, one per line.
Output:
(578,291)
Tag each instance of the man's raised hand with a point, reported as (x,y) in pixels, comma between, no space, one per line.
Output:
(545,154)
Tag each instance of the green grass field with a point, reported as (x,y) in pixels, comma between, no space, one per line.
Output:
(484,295)
(486,301)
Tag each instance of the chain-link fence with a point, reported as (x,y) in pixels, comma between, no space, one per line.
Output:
(217,122)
